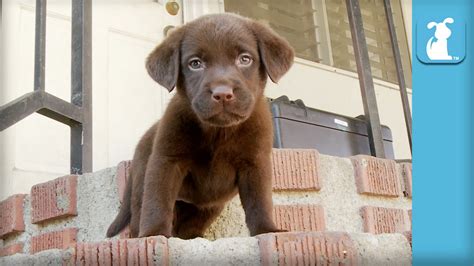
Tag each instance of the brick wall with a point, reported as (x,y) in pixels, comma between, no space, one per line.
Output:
(312,193)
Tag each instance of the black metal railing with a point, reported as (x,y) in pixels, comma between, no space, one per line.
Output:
(365,75)
(398,66)
(77,114)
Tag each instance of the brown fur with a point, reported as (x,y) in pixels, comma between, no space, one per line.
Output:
(202,152)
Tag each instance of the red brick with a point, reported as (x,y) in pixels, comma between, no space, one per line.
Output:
(299,217)
(105,253)
(406,171)
(150,251)
(157,247)
(375,176)
(312,248)
(57,239)
(378,220)
(123,249)
(137,251)
(115,252)
(54,199)
(78,257)
(295,169)
(11,215)
(133,250)
(91,251)
(99,253)
(11,249)
(87,254)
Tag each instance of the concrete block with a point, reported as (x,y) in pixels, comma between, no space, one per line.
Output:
(384,249)
(48,257)
(221,252)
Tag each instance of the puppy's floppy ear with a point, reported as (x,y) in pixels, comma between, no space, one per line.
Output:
(276,53)
(163,62)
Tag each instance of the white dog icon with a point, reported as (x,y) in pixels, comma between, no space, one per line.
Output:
(438,50)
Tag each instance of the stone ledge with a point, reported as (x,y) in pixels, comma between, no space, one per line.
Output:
(279,249)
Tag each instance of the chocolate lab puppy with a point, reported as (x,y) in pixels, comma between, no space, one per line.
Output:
(215,138)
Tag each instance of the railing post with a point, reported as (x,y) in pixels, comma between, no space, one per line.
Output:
(81,85)
(399,67)
(78,113)
(365,78)
(40,45)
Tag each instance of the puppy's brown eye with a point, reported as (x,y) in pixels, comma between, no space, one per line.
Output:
(195,64)
(244,60)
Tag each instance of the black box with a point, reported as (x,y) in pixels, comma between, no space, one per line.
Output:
(297,126)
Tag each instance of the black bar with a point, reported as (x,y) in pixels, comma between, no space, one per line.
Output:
(365,78)
(76,163)
(42,103)
(60,110)
(398,65)
(81,84)
(40,45)
(20,108)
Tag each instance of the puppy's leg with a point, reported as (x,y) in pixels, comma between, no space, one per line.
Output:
(163,180)
(138,175)
(191,221)
(255,190)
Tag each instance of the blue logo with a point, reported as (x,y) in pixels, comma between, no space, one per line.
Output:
(441,41)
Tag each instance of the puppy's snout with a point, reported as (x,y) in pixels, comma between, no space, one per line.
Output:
(223,94)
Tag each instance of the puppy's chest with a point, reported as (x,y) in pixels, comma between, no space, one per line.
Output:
(213,171)
(210,177)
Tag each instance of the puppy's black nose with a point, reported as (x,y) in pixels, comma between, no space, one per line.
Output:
(222,94)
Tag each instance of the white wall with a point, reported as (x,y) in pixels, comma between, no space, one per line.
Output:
(125,100)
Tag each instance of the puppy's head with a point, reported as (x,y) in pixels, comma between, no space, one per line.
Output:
(220,63)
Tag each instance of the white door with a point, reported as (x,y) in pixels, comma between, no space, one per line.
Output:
(126,97)
(126,101)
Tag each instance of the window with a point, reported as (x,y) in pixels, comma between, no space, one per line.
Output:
(319,31)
